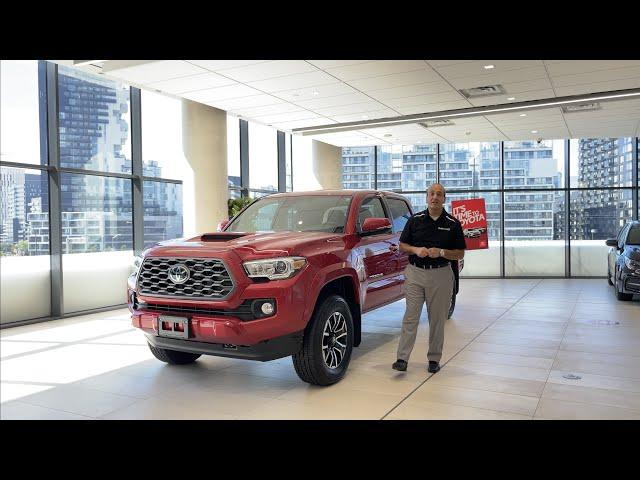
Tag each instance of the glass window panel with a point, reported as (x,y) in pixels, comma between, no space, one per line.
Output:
(470,166)
(263,157)
(485,262)
(399,213)
(96,213)
(23,107)
(533,232)
(162,150)
(601,162)
(418,168)
(288,165)
(534,164)
(24,245)
(389,168)
(162,212)
(94,122)
(358,168)
(97,240)
(596,215)
(233,150)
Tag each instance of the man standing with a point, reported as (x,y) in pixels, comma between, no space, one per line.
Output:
(432,238)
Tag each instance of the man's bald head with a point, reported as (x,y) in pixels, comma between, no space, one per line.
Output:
(435,198)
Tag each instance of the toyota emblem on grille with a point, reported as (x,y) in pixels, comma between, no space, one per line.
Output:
(179,274)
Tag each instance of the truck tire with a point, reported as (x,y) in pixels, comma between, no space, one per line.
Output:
(625,297)
(173,357)
(327,345)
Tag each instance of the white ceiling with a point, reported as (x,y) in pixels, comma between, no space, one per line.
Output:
(289,94)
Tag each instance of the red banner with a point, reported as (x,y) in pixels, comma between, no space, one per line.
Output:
(472,214)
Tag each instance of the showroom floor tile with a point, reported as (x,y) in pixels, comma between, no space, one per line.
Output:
(513,350)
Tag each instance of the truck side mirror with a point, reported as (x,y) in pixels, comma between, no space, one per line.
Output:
(374,225)
(222,225)
(612,242)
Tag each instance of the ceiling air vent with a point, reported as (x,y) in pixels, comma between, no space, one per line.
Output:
(485,91)
(581,107)
(436,123)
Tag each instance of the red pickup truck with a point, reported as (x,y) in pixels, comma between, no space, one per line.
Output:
(291,274)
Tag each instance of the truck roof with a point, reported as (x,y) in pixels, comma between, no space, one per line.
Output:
(336,192)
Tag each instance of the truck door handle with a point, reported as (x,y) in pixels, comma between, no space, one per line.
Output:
(393,247)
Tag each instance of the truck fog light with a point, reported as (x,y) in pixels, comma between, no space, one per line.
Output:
(267,308)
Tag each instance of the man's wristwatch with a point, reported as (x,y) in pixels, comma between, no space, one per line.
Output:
(442,252)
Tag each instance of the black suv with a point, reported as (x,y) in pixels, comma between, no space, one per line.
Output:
(623,265)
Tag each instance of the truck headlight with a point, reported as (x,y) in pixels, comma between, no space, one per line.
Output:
(137,263)
(631,264)
(275,268)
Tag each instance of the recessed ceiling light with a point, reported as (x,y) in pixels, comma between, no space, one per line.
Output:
(315,92)
(534,131)
(511,98)
(418,141)
(489,67)
(365,117)
(523,114)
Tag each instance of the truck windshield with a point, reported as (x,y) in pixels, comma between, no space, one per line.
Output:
(310,213)
(634,236)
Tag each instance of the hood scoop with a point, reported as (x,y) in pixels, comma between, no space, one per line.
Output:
(220,237)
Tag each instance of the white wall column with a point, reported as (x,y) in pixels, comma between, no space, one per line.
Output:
(316,165)
(204,140)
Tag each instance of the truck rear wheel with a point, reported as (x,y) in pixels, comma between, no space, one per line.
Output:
(327,345)
(173,357)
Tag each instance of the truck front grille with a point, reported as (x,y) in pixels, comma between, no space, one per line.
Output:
(208,278)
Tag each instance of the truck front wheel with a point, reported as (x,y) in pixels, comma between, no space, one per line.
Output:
(173,357)
(328,342)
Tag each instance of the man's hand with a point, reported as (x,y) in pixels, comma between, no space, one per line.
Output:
(421,252)
(433,252)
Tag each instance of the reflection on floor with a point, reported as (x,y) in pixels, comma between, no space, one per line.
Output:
(509,349)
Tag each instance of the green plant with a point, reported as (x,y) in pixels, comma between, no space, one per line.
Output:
(237,204)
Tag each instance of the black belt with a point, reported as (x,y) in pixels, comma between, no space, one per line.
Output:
(428,267)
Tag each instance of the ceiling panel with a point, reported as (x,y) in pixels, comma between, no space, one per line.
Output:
(571,67)
(298,81)
(436,98)
(301,94)
(518,97)
(324,64)
(375,69)
(369,106)
(370,115)
(215,65)
(597,77)
(444,63)
(288,117)
(431,88)
(192,83)
(245,102)
(321,102)
(433,107)
(271,69)
(222,93)
(156,71)
(476,68)
(598,87)
(493,78)
(275,109)
(414,77)
(304,123)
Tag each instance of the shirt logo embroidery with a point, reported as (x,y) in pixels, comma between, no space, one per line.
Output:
(442,228)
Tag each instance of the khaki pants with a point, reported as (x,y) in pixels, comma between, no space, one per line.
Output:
(435,286)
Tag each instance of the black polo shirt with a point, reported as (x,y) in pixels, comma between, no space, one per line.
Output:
(422,231)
